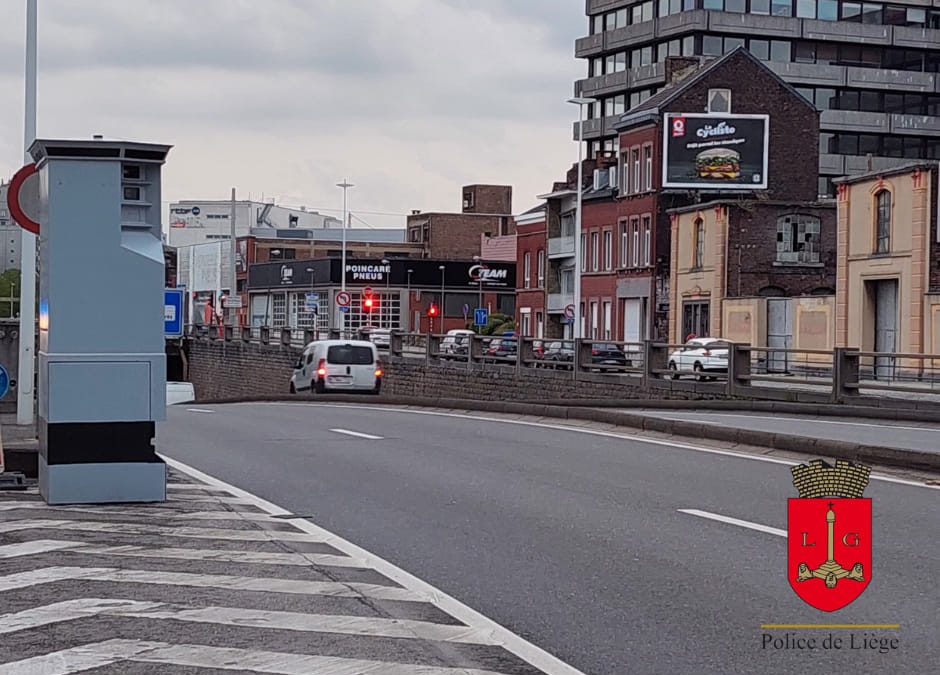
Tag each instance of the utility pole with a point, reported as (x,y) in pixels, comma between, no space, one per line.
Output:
(345,185)
(27,364)
(233,288)
(580,102)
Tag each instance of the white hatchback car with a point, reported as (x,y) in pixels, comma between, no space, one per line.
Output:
(338,365)
(700,355)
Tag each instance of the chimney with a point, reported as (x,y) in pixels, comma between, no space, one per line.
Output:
(589,166)
(680,67)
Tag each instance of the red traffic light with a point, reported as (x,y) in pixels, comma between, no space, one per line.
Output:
(369,304)
(432,310)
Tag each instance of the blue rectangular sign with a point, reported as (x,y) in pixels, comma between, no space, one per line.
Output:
(173,312)
(480,317)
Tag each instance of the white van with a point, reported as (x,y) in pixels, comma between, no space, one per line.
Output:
(456,343)
(338,365)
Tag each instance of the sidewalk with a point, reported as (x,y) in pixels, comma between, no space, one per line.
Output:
(209,580)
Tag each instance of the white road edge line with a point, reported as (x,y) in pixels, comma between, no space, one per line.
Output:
(514,644)
(201,410)
(791,417)
(593,432)
(735,521)
(357,434)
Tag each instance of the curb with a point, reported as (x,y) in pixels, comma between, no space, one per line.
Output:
(873,454)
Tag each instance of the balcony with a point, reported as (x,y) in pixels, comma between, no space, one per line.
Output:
(751,24)
(846,31)
(592,45)
(630,36)
(809,74)
(920,125)
(681,23)
(915,38)
(558,301)
(850,120)
(830,164)
(561,247)
(602,84)
(592,129)
(877,78)
(597,6)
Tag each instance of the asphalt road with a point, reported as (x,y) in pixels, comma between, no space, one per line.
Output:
(891,434)
(576,541)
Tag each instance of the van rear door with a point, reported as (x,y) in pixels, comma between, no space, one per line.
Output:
(351,365)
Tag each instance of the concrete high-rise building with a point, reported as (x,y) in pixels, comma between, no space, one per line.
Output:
(872,68)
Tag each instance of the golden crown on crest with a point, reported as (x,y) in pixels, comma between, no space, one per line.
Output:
(819,479)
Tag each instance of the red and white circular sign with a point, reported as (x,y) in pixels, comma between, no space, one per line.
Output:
(343,299)
(23,198)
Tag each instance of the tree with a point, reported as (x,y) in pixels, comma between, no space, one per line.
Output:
(10,293)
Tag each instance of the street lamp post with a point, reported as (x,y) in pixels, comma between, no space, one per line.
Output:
(345,185)
(385,263)
(316,314)
(408,299)
(442,268)
(580,102)
(478,260)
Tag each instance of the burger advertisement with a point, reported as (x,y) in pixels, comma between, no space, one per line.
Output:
(724,152)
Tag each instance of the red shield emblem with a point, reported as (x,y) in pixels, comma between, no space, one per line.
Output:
(829,550)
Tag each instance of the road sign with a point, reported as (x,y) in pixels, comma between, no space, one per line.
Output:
(173,312)
(234,302)
(343,299)
(344,308)
(466,310)
(23,198)
(569,311)
(481,316)
(4,382)
(312,302)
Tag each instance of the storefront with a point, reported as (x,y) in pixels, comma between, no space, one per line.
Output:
(401,289)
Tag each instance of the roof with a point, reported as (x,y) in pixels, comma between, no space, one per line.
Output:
(359,235)
(534,209)
(649,109)
(824,204)
(893,171)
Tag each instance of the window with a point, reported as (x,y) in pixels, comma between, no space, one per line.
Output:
(597,23)
(737,6)
(624,173)
(647,10)
(648,167)
(806,9)
(349,355)
(595,257)
(781,7)
(797,239)
(694,320)
(607,320)
(624,247)
(635,241)
(780,51)
(760,7)
(732,43)
(883,222)
(525,313)
(583,251)
(647,240)
(635,154)
(540,266)
(871,13)
(711,45)
(698,244)
(719,100)
(852,11)
(608,250)
(526,270)
(827,10)
(594,318)
(713,4)
(760,49)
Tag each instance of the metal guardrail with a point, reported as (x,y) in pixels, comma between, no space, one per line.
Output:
(747,371)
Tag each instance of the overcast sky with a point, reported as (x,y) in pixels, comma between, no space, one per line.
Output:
(409,99)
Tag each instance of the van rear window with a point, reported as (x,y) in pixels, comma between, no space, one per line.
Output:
(349,355)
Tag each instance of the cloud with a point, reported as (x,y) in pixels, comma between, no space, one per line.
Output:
(408,98)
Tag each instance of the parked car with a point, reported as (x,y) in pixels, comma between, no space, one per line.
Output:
(381,337)
(500,348)
(338,365)
(559,354)
(456,344)
(607,354)
(701,355)
(179,392)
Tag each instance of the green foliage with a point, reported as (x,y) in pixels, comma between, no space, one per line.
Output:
(497,325)
(9,288)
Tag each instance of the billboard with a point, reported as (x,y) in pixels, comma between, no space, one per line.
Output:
(715,152)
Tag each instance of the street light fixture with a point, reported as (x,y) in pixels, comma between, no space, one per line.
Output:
(442,268)
(579,101)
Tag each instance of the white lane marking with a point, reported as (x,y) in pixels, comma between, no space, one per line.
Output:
(511,642)
(357,434)
(143,511)
(785,418)
(101,654)
(49,575)
(192,486)
(184,496)
(203,411)
(240,557)
(370,626)
(593,432)
(160,530)
(735,521)
(79,659)
(35,547)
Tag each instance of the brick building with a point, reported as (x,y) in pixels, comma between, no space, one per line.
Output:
(486,211)
(531,272)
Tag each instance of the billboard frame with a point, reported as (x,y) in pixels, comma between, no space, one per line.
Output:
(713,187)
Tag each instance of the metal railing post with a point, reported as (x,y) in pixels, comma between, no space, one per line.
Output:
(265,335)
(433,350)
(395,343)
(582,356)
(475,348)
(655,357)
(525,352)
(229,333)
(285,336)
(845,370)
(739,368)
(310,335)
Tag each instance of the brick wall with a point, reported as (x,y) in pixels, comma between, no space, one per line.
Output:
(231,370)
(488,198)
(455,236)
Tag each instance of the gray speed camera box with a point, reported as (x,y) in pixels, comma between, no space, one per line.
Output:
(102,363)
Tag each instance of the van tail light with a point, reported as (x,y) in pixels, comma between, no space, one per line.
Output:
(378,369)
(321,368)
